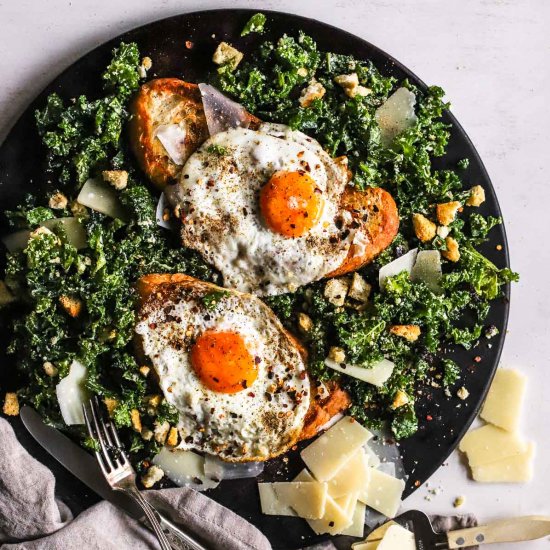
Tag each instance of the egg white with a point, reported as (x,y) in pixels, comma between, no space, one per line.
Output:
(256,423)
(219,198)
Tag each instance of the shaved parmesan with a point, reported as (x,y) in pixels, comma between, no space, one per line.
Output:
(505,399)
(357,527)
(427,268)
(514,469)
(270,504)
(72,394)
(172,137)
(373,545)
(352,477)
(221,112)
(403,263)
(397,538)
(215,468)
(184,468)
(335,519)
(491,444)
(328,453)
(396,115)
(99,196)
(377,375)
(306,498)
(384,493)
(76,234)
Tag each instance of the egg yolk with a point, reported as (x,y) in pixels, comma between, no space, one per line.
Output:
(222,362)
(291,203)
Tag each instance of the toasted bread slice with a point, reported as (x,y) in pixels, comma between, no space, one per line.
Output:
(173,101)
(322,406)
(159,102)
(376,212)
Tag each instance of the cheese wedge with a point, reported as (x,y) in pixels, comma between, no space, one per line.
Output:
(514,469)
(270,504)
(307,499)
(335,519)
(397,538)
(327,454)
(384,493)
(505,399)
(491,444)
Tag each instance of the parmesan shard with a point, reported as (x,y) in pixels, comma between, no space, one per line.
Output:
(377,374)
(270,504)
(352,477)
(307,498)
(514,469)
(397,538)
(396,115)
(491,444)
(505,399)
(384,493)
(327,454)
(357,527)
(72,394)
(335,519)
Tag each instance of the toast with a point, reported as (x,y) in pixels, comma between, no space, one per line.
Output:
(170,101)
(323,406)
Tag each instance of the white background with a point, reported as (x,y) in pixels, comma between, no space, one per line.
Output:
(493,59)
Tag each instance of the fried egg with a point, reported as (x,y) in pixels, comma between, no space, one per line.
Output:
(226,364)
(262,206)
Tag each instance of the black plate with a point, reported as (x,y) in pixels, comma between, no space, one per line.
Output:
(443,420)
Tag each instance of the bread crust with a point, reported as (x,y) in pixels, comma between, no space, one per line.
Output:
(321,408)
(165,101)
(376,212)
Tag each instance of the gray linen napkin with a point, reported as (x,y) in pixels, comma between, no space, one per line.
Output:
(31,518)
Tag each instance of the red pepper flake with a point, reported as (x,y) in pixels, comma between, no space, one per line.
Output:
(251,394)
(429,417)
(499,247)
(477,359)
(417,483)
(189,45)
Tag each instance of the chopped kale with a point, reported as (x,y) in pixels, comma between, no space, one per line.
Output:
(255,24)
(212,299)
(217,149)
(451,373)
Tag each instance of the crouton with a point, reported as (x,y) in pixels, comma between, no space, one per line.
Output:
(315,90)
(452,252)
(58,201)
(136,420)
(146,434)
(424,228)
(477,196)
(117,178)
(359,289)
(446,212)
(153,475)
(78,210)
(11,404)
(172,439)
(304,322)
(153,402)
(147,63)
(462,393)
(400,399)
(411,333)
(49,368)
(349,83)
(111,405)
(226,54)
(336,354)
(336,291)
(6,297)
(145,370)
(161,431)
(72,305)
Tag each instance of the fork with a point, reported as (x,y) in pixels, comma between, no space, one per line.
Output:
(116,467)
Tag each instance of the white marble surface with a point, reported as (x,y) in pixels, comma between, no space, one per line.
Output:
(491,56)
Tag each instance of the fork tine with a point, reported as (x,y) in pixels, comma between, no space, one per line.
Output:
(100,434)
(121,454)
(92,434)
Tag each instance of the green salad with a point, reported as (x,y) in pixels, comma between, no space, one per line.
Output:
(50,278)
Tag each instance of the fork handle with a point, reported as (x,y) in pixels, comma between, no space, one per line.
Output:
(179,539)
(509,530)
